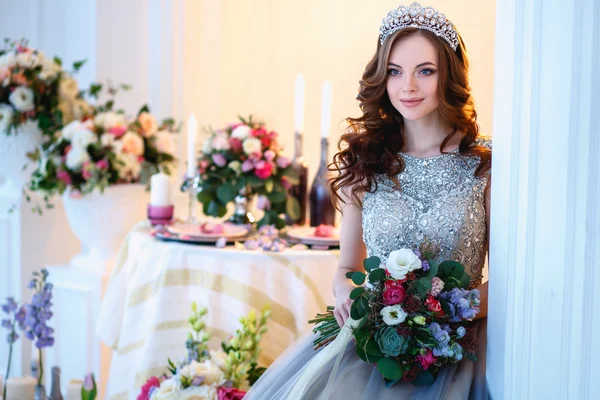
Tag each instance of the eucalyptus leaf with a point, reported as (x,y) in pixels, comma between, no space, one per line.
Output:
(371,263)
(390,368)
(356,292)
(358,278)
(225,193)
(377,275)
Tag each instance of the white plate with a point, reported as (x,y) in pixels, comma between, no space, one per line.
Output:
(193,231)
(306,235)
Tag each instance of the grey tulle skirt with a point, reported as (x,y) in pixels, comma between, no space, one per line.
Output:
(354,379)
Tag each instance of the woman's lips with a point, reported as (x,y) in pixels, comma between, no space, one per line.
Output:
(411,102)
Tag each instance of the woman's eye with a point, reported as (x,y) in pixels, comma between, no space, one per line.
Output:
(393,72)
(426,71)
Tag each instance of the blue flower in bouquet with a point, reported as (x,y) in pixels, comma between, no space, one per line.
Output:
(390,342)
(462,304)
(461,332)
(440,334)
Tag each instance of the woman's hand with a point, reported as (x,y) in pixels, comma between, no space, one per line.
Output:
(342,302)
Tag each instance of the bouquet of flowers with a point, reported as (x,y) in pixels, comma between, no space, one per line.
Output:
(36,88)
(206,374)
(413,315)
(246,158)
(104,149)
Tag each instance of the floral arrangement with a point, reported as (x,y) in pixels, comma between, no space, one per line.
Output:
(212,374)
(246,158)
(36,88)
(414,315)
(32,319)
(104,149)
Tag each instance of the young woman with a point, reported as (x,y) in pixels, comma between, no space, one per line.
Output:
(413,168)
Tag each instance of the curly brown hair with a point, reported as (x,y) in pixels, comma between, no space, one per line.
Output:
(374,140)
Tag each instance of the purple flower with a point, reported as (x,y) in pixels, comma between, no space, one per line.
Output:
(417,253)
(10,306)
(198,380)
(32,283)
(425,265)
(251,244)
(88,382)
(7,323)
(219,160)
(34,317)
(247,165)
(263,203)
(12,337)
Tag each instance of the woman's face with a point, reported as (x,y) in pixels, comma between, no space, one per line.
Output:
(413,77)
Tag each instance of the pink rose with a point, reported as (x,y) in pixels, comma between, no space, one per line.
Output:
(257,133)
(269,155)
(153,382)
(102,164)
(427,359)
(394,295)
(219,160)
(86,170)
(263,169)
(283,161)
(230,393)
(248,165)
(64,176)
(133,143)
(118,131)
(148,124)
(236,145)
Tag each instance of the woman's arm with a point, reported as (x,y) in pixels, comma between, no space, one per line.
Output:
(352,254)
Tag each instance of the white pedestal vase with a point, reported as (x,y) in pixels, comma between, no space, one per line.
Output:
(101,220)
(15,167)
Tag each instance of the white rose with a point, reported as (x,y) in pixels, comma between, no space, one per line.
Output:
(22,99)
(165,143)
(128,166)
(28,59)
(207,146)
(83,137)
(393,315)
(76,157)
(252,145)
(203,392)
(109,120)
(6,114)
(219,358)
(8,60)
(69,130)
(148,124)
(168,390)
(220,142)
(401,262)
(68,88)
(133,143)
(107,139)
(211,373)
(49,69)
(241,132)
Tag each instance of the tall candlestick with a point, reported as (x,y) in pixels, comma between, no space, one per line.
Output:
(160,190)
(326,109)
(299,104)
(191,162)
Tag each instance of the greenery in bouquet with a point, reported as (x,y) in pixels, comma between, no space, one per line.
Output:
(224,374)
(246,158)
(36,89)
(414,315)
(103,149)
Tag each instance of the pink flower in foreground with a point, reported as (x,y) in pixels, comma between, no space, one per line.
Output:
(427,359)
(102,164)
(283,161)
(64,176)
(236,145)
(269,155)
(263,169)
(118,131)
(230,394)
(153,382)
(247,165)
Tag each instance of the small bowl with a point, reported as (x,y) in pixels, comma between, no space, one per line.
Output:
(160,215)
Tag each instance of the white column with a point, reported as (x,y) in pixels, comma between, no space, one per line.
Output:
(545,242)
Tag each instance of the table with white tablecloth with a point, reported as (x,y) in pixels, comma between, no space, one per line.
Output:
(147,302)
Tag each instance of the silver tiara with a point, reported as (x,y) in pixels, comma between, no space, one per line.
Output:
(417,16)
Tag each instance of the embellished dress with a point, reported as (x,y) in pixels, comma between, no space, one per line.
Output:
(440,201)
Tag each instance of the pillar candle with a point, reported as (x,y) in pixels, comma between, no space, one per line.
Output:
(74,390)
(160,190)
(191,162)
(20,388)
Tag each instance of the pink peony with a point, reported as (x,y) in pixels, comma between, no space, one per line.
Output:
(219,160)
(203,166)
(118,131)
(258,133)
(102,164)
(153,382)
(263,169)
(269,155)
(230,394)
(283,161)
(236,145)
(427,359)
(64,176)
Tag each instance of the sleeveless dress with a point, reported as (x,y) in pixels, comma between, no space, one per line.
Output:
(442,202)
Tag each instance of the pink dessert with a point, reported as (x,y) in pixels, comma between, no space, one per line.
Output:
(324,231)
(212,228)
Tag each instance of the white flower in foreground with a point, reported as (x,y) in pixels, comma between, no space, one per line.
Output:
(203,392)
(83,137)
(252,145)
(401,262)
(129,167)
(22,99)
(76,157)
(393,315)
(6,113)
(241,132)
(168,390)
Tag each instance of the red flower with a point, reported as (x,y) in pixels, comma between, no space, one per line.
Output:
(258,133)
(230,394)
(263,169)
(394,293)
(433,304)
(427,359)
(236,145)
(150,383)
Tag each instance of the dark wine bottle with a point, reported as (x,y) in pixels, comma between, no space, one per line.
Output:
(300,190)
(322,210)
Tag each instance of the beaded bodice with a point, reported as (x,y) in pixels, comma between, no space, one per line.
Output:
(439,201)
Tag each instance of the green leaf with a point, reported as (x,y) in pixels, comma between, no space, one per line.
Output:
(445,307)
(368,350)
(358,278)
(433,269)
(390,368)
(424,286)
(363,306)
(292,207)
(58,61)
(354,311)
(215,209)
(277,197)
(269,185)
(254,181)
(225,193)
(371,263)
(356,292)
(465,281)
(452,268)
(144,108)
(425,378)
(78,64)
(206,196)
(349,274)
(377,275)
(280,223)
